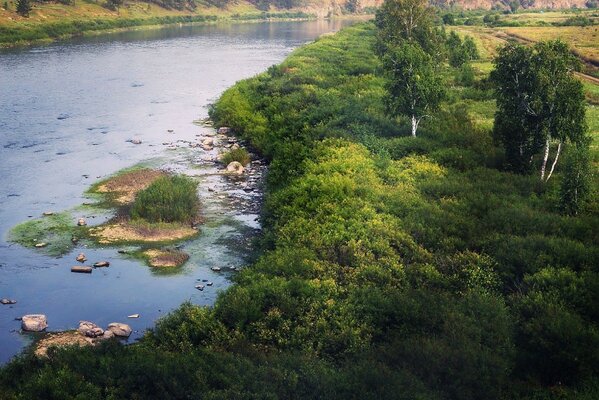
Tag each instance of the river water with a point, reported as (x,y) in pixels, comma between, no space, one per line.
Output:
(67,111)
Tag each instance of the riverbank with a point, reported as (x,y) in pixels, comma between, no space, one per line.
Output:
(19,36)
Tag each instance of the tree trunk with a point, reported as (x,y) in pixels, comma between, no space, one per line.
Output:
(414,125)
(559,148)
(545,158)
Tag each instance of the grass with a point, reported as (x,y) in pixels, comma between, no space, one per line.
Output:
(240,155)
(121,189)
(167,199)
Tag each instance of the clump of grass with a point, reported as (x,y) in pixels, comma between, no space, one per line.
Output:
(240,155)
(167,199)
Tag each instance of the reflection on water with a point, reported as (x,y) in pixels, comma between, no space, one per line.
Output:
(67,111)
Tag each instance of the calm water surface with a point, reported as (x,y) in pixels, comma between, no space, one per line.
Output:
(66,113)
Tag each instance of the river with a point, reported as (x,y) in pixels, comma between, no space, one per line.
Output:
(67,113)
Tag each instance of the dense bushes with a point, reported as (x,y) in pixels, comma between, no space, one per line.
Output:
(168,199)
(392,267)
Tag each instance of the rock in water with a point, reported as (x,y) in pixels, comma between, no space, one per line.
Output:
(235,167)
(82,269)
(133,316)
(8,301)
(40,245)
(101,264)
(208,142)
(81,222)
(47,213)
(34,322)
(85,326)
(119,329)
(81,258)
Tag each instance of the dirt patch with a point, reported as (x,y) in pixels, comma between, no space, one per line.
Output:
(166,258)
(61,339)
(127,231)
(124,187)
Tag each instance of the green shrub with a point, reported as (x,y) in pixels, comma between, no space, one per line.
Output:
(240,155)
(168,199)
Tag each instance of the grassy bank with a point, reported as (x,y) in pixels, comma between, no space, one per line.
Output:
(53,21)
(392,267)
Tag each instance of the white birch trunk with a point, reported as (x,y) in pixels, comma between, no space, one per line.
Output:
(545,158)
(414,125)
(559,148)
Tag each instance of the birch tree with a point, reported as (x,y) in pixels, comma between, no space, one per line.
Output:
(406,20)
(540,104)
(413,87)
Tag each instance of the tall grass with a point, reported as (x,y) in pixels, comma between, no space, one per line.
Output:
(168,199)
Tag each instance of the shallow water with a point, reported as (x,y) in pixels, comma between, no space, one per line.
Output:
(66,113)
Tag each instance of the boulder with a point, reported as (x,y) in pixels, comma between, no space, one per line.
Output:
(224,130)
(235,167)
(94,332)
(136,141)
(34,322)
(119,329)
(205,147)
(81,258)
(208,142)
(85,326)
(8,301)
(81,222)
(104,336)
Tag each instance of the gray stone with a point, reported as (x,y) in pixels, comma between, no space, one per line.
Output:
(119,329)
(34,322)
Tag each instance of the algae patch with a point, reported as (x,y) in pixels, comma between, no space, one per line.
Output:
(54,234)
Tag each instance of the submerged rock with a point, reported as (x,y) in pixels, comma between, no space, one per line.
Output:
(81,222)
(119,329)
(34,322)
(101,264)
(82,269)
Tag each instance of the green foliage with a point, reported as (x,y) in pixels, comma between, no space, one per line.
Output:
(240,155)
(168,199)
(460,52)
(575,179)
(36,32)
(538,100)
(415,89)
(56,230)
(406,20)
(392,267)
(23,7)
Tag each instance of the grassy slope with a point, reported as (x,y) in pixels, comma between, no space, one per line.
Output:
(392,268)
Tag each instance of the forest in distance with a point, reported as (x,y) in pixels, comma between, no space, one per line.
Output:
(431,230)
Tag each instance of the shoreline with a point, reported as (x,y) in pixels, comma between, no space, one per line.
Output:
(203,20)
